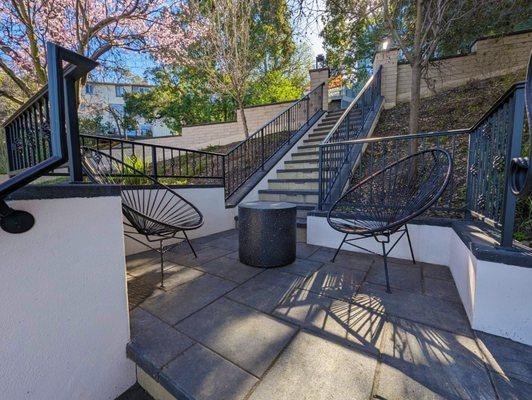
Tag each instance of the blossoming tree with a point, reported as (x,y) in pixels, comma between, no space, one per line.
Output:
(89,27)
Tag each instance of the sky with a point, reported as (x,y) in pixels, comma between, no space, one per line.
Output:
(306,29)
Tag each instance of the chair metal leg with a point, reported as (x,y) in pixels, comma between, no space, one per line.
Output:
(190,244)
(386,268)
(410,244)
(339,247)
(161,254)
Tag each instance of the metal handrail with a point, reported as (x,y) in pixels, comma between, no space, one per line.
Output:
(491,143)
(251,155)
(402,137)
(158,146)
(60,90)
(351,105)
(335,160)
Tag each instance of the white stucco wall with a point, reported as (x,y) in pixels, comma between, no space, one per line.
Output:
(494,295)
(430,243)
(503,299)
(211,203)
(64,315)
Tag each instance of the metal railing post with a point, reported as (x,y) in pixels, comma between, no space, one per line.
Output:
(72,132)
(262,148)
(224,181)
(154,162)
(320,178)
(517,112)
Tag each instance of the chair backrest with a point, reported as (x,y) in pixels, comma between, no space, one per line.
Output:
(387,199)
(150,206)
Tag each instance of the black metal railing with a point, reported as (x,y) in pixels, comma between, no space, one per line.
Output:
(29,141)
(373,154)
(480,181)
(494,141)
(335,158)
(162,162)
(43,134)
(249,156)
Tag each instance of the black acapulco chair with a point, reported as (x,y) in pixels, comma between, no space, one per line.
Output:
(383,203)
(152,210)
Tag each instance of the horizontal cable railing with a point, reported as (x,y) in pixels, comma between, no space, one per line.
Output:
(175,165)
(335,160)
(249,156)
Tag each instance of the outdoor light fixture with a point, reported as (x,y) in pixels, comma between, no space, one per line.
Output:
(385,44)
(320,61)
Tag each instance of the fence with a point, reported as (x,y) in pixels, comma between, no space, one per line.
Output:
(335,157)
(33,137)
(249,156)
(480,180)
(161,161)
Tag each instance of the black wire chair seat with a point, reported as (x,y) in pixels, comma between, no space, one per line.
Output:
(382,203)
(151,208)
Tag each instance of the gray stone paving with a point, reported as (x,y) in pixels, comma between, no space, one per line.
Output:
(312,330)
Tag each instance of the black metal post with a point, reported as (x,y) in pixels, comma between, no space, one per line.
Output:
(262,148)
(517,112)
(154,162)
(72,131)
(320,178)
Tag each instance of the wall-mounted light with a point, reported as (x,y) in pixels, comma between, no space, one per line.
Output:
(385,44)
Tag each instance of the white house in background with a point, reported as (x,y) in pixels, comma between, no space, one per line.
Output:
(107,99)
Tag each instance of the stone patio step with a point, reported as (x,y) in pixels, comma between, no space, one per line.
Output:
(293,184)
(298,173)
(292,196)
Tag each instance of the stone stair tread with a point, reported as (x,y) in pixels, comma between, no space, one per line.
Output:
(288,191)
(294,180)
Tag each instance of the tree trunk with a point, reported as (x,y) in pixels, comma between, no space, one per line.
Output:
(244,120)
(415,99)
(415,84)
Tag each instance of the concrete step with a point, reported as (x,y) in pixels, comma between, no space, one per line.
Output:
(316,135)
(301,163)
(308,147)
(293,184)
(301,173)
(306,154)
(312,140)
(292,196)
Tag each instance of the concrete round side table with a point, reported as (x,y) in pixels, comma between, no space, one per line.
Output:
(267,233)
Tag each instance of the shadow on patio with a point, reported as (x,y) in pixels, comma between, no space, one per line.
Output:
(313,330)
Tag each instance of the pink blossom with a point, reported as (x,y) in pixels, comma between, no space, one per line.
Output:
(91,27)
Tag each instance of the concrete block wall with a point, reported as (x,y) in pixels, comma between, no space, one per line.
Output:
(317,77)
(489,57)
(200,136)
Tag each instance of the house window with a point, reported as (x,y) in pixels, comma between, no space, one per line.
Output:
(89,88)
(119,90)
(139,89)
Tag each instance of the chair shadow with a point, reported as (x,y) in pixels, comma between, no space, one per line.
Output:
(439,362)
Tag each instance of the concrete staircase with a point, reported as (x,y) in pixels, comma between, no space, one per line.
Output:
(297,181)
